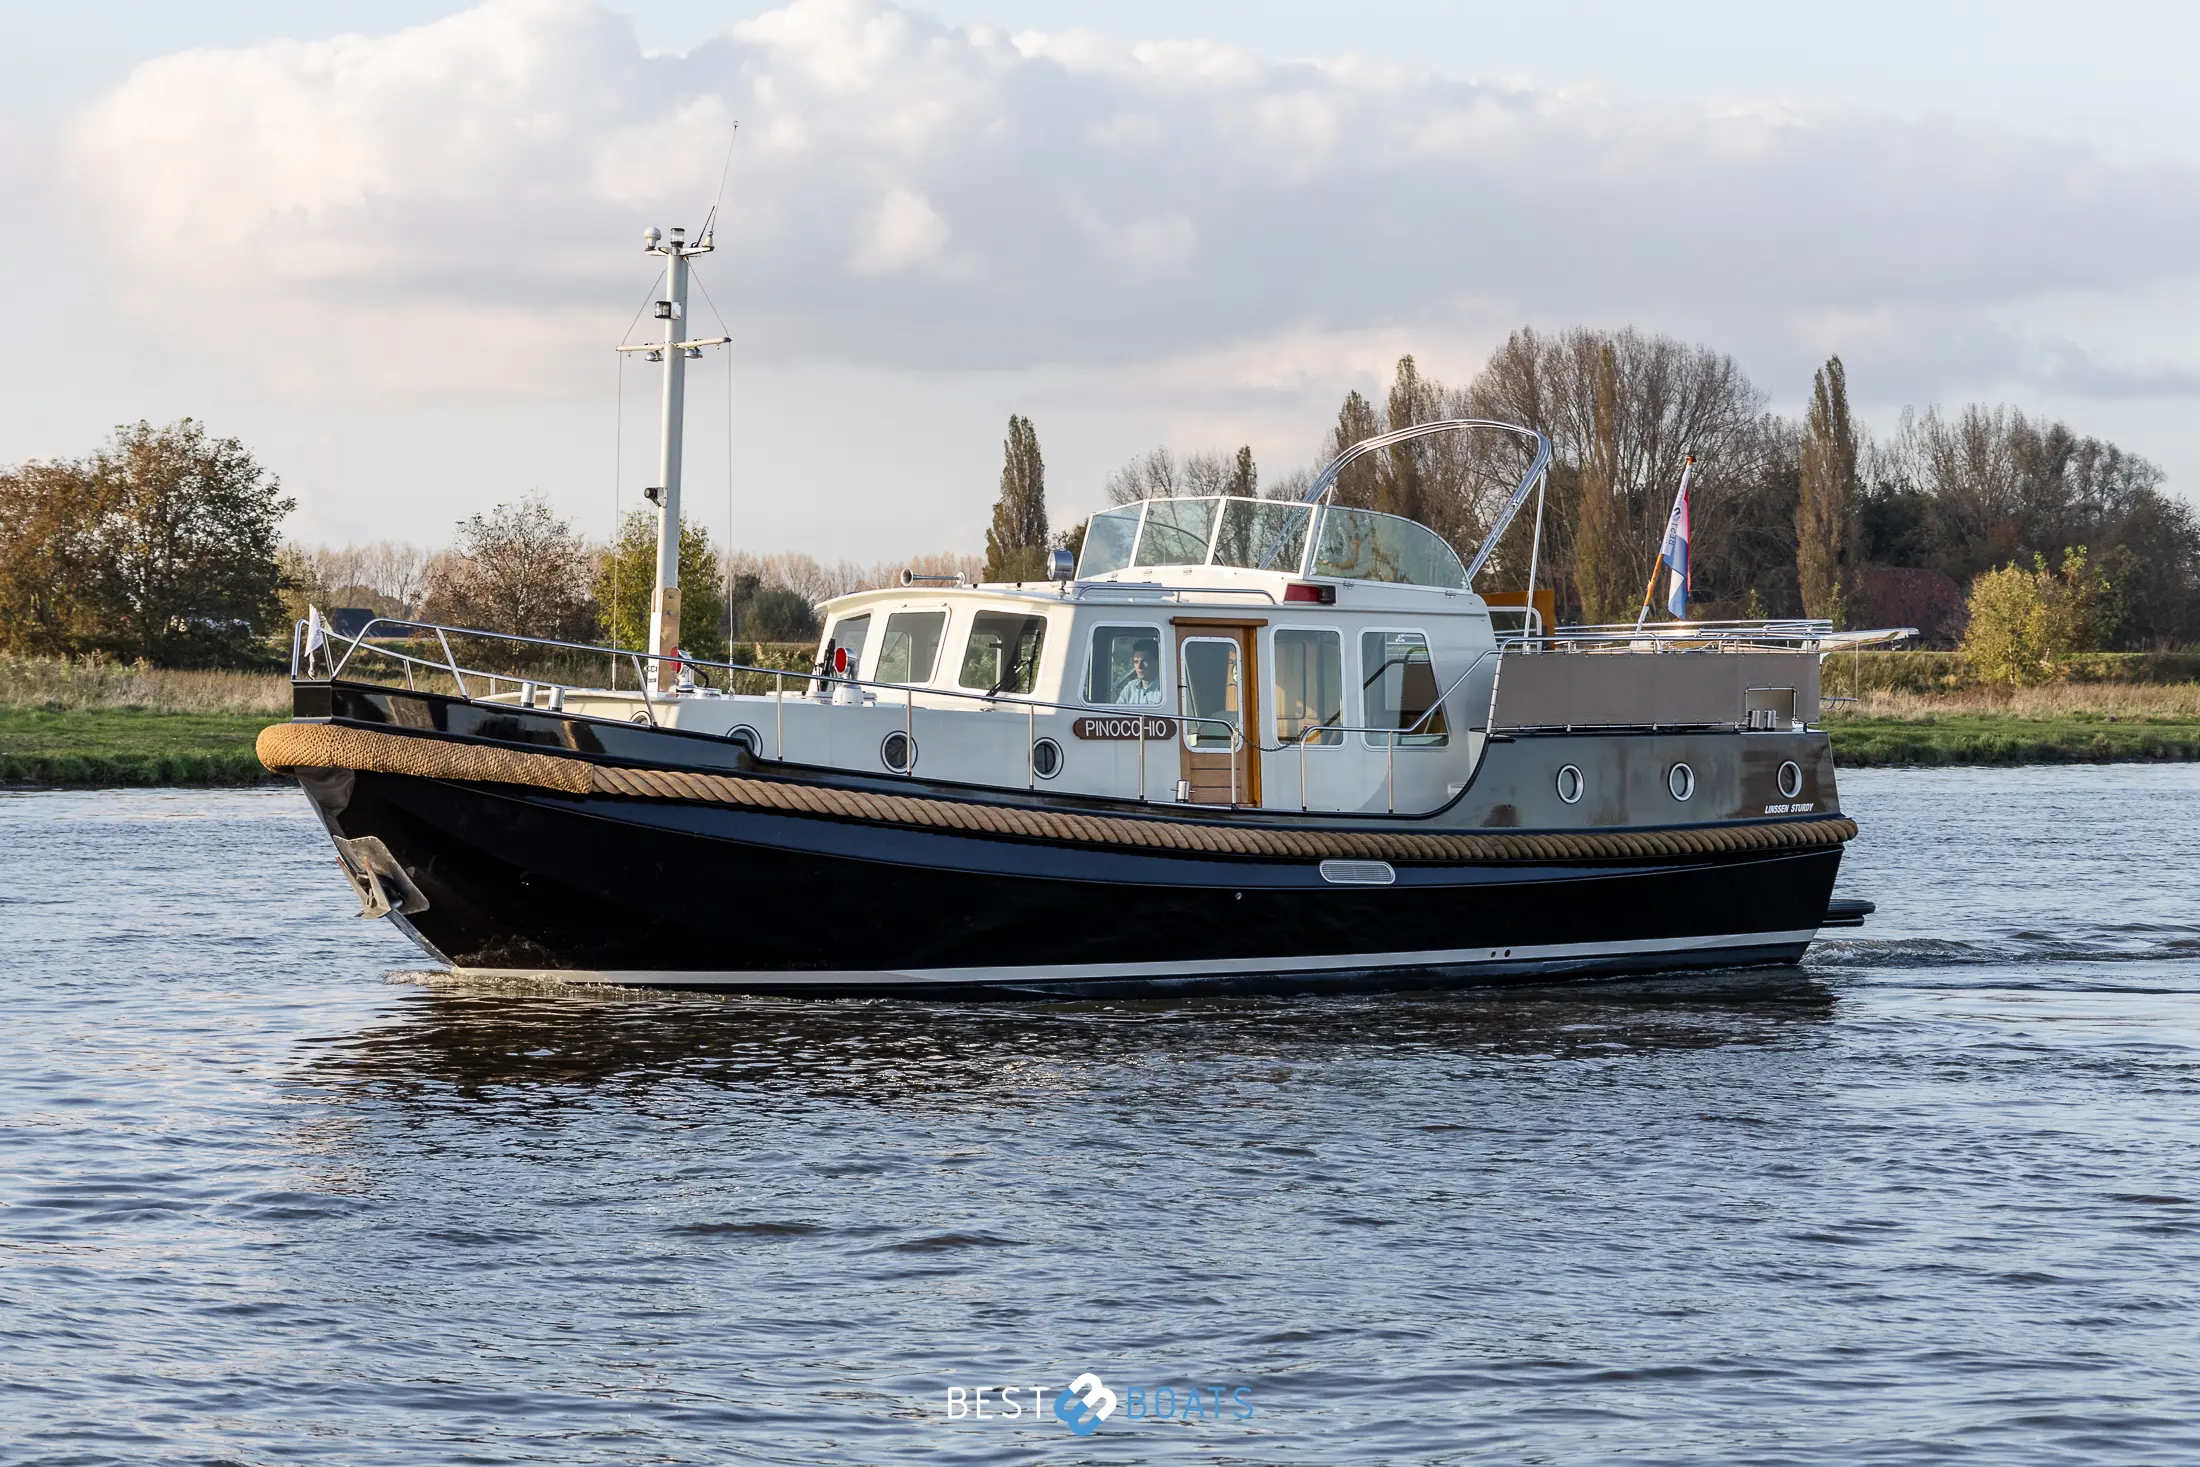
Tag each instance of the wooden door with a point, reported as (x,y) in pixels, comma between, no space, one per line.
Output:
(1218,698)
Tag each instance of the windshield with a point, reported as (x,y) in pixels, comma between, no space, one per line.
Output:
(1176,532)
(1262,535)
(1360,545)
(1108,541)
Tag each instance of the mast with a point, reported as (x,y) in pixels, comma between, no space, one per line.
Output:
(674,351)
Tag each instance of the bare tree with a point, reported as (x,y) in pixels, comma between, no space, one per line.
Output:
(1666,399)
(1153,475)
(1160,474)
(392,568)
(517,569)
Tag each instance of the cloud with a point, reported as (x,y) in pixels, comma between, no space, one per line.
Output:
(910,195)
(906,231)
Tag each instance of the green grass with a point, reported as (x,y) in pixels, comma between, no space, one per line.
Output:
(2001,738)
(128,746)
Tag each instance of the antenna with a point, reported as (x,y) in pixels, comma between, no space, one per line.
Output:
(711,219)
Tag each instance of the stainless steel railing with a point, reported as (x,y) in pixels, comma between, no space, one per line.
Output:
(301,660)
(1533,641)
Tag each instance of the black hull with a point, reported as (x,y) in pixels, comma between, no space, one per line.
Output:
(605,888)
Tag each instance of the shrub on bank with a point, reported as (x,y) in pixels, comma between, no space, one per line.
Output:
(2022,621)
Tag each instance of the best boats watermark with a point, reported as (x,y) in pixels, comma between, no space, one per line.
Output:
(1087,1402)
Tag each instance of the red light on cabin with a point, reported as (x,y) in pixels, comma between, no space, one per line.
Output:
(1301,591)
(840,659)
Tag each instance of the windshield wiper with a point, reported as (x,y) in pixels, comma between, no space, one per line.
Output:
(1015,670)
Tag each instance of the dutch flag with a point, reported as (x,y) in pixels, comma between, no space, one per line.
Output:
(1673,555)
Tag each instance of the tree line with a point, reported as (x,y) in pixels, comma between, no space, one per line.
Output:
(160,546)
(166,546)
(1790,516)
(522,568)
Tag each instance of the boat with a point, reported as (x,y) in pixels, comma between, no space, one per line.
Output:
(1239,745)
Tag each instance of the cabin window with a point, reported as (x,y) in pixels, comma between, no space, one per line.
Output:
(911,646)
(1397,686)
(1109,539)
(1125,668)
(1002,655)
(1177,532)
(1212,704)
(1360,545)
(850,632)
(1309,686)
(1262,535)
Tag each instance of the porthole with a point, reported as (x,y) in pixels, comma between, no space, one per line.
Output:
(1791,780)
(1681,780)
(748,738)
(1569,785)
(897,752)
(1046,758)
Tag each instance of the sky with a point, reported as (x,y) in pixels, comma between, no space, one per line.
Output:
(391,245)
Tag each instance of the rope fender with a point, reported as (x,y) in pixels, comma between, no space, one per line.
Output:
(283,747)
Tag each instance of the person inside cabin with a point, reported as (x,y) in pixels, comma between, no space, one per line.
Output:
(1142,684)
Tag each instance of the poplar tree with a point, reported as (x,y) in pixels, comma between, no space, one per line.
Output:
(1825,506)
(1599,560)
(1245,478)
(1356,422)
(1016,545)
(1413,399)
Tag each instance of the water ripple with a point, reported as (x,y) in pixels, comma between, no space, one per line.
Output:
(269,1192)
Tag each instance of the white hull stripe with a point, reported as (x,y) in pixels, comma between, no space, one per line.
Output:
(1455,957)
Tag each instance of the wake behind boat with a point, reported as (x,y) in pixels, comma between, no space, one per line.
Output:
(1241,745)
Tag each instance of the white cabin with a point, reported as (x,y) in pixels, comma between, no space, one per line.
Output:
(1220,651)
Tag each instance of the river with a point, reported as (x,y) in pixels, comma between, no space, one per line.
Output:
(270,1193)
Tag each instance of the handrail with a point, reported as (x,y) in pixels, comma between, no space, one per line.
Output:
(1393,734)
(812,676)
(1792,626)
(1732,634)
(824,680)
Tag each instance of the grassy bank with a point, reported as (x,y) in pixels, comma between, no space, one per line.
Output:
(88,723)
(106,723)
(128,746)
(2060,724)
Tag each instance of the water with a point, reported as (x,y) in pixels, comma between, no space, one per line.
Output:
(269,1195)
